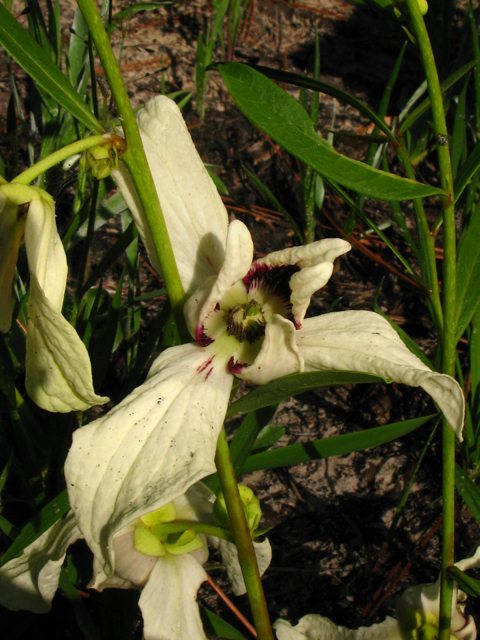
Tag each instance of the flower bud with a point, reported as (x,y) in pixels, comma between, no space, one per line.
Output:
(97,162)
(251,506)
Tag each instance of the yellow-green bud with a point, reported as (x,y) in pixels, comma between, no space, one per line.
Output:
(251,506)
(400,9)
(98,161)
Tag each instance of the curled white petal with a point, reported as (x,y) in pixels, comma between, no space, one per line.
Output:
(168,601)
(363,341)
(315,627)
(263,553)
(279,355)
(30,581)
(194,213)
(304,284)
(309,255)
(149,449)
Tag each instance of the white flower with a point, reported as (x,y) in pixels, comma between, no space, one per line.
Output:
(247,319)
(417,613)
(158,553)
(58,371)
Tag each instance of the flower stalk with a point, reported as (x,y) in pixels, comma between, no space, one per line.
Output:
(243,540)
(136,162)
(449,306)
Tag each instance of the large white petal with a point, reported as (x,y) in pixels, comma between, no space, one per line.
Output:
(30,581)
(263,553)
(238,260)
(279,355)
(194,213)
(58,370)
(315,627)
(168,601)
(363,341)
(149,449)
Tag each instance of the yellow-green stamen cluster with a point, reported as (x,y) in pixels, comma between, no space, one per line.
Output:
(251,506)
(246,322)
(153,534)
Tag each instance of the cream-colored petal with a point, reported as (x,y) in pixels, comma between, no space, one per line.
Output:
(363,341)
(149,449)
(238,259)
(12,225)
(279,355)
(196,504)
(308,255)
(315,627)
(194,213)
(169,599)
(304,284)
(263,553)
(30,581)
(58,370)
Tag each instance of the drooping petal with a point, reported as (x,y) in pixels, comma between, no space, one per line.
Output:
(364,341)
(58,370)
(149,449)
(237,262)
(30,581)
(279,355)
(263,553)
(168,601)
(194,213)
(315,261)
(12,225)
(315,627)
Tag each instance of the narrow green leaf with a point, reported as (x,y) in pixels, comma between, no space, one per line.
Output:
(292,385)
(425,105)
(468,491)
(466,583)
(84,621)
(216,626)
(33,59)
(468,274)
(268,436)
(286,122)
(47,517)
(336,446)
(467,171)
(458,145)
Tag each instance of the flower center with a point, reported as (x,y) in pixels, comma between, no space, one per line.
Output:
(246,322)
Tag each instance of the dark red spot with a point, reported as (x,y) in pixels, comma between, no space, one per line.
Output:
(201,337)
(274,280)
(235,367)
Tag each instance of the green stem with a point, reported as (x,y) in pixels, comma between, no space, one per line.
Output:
(136,162)
(59,156)
(243,539)
(449,307)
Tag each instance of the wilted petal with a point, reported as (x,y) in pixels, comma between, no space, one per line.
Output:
(263,553)
(365,342)
(315,261)
(30,581)
(279,355)
(168,601)
(238,259)
(149,449)
(315,627)
(194,213)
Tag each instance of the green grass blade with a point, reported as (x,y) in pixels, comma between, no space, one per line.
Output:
(286,122)
(292,385)
(467,171)
(216,626)
(458,144)
(33,59)
(468,274)
(336,446)
(468,491)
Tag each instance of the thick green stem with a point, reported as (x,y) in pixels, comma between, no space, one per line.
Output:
(136,162)
(243,540)
(59,156)
(449,306)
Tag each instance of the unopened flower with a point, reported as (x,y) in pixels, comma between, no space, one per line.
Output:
(160,553)
(247,318)
(58,371)
(417,613)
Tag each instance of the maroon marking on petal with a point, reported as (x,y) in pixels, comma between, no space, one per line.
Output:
(204,365)
(235,367)
(217,307)
(208,374)
(201,337)
(275,279)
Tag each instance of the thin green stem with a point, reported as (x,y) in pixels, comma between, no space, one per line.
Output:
(449,306)
(136,162)
(243,540)
(62,154)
